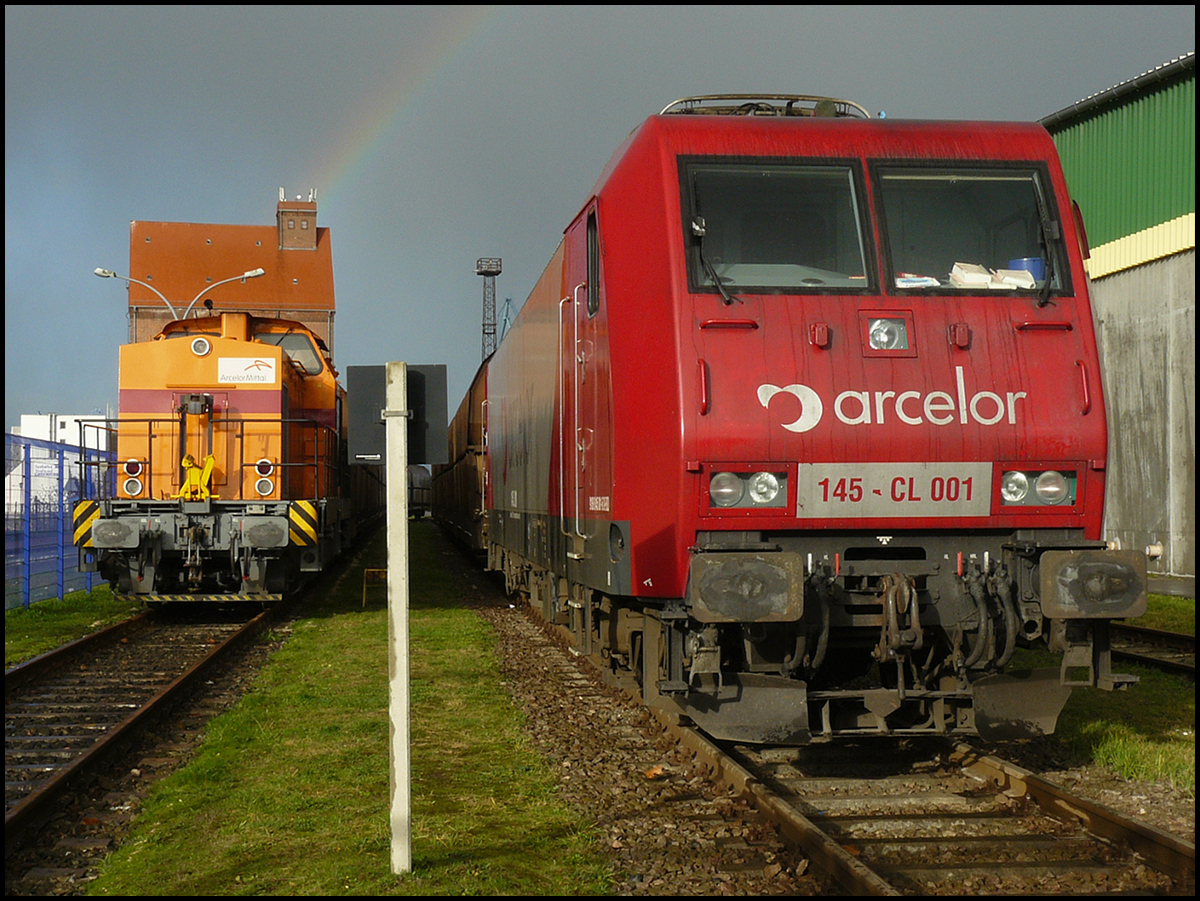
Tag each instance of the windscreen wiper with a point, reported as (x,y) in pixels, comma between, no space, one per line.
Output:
(698,230)
(1050,233)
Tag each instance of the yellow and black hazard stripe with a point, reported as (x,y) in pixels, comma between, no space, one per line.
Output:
(85,514)
(199,598)
(303,522)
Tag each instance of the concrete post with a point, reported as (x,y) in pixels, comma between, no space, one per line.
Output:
(400,773)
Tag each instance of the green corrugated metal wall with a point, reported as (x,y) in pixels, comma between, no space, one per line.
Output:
(1132,164)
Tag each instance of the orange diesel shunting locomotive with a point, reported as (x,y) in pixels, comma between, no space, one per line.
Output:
(227,392)
(231,474)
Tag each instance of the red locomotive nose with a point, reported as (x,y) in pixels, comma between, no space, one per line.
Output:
(785,427)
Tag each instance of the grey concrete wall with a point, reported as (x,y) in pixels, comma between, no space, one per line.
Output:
(1146,325)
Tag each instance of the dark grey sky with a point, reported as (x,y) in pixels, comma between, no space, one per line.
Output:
(435,136)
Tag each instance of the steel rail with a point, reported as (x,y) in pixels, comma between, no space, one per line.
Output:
(1177,640)
(1159,663)
(823,852)
(27,811)
(43,663)
(1171,641)
(1164,852)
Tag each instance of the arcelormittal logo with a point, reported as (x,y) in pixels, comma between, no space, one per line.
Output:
(811,407)
(909,407)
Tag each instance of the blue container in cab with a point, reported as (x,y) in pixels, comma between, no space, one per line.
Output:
(1035,266)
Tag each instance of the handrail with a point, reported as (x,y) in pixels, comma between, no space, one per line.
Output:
(1043,325)
(322,460)
(562,424)
(729,323)
(579,448)
(1087,388)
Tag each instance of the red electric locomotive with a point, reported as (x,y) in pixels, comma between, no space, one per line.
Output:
(803,428)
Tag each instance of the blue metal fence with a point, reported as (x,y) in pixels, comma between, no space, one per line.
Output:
(41,485)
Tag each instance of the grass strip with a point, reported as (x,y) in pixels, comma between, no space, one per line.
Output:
(1146,731)
(289,792)
(46,625)
(1171,614)
(302,763)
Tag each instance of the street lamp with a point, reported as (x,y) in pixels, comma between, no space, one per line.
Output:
(108,273)
(252,273)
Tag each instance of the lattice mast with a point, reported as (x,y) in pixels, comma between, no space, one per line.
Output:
(489,268)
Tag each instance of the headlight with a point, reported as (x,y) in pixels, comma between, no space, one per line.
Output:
(746,490)
(887,334)
(763,487)
(1051,487)
(133,487)
(264,487)
(1013,487)
(725,489)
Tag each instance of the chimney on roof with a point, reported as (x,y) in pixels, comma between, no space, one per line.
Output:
(297,222)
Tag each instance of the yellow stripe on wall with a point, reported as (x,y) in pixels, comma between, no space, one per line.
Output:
(1152,243)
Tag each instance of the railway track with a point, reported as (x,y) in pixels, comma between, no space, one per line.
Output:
(934,817)
(1168,651)
(915,818)
(66,711)
(670,827)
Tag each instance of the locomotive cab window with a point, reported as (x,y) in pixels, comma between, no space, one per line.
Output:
(970,229)
(190,333)
(297,346)
(593,265)
(773,228)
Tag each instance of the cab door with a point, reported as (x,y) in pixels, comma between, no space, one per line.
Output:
(585,453)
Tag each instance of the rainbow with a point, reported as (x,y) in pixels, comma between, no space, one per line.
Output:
(382,113)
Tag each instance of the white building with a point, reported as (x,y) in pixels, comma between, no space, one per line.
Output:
(65,428)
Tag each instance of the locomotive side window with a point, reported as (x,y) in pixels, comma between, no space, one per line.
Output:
(969,229)
(296,345)
(773,228)
(593,265)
